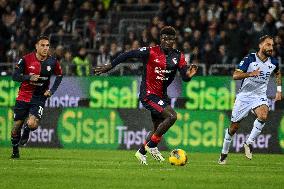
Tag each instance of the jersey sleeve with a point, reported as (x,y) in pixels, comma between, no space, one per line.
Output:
(18,74)
(139,53)
(57,69)
(182,67)
(244,64)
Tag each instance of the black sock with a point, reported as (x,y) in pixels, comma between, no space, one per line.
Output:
(152,144)
(142,150)
(26,129)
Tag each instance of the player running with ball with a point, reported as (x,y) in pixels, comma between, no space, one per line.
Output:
(160,65)
(254,71)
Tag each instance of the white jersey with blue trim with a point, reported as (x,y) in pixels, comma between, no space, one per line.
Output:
(256,86)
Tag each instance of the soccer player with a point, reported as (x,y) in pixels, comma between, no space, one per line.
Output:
(160,65)
(254,71)
(33,71)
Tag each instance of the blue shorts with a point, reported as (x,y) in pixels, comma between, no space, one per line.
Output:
(22,110)
(155,104)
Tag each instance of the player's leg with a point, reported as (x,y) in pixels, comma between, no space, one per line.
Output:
(240,110)
(21,110)
(32,123)
(159,107)
(156,120)
(15,138)
(141,153)
(229,133)
(261,113)
(169,117)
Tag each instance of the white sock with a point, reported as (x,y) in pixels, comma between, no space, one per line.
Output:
(227,142)
(256,130)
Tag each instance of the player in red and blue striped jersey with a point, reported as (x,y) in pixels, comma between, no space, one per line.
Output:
(33,71)
(161,63)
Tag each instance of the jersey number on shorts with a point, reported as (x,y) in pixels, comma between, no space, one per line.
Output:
(40,111)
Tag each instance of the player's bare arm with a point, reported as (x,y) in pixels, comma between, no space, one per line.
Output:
(279,85)
(102,69)
(238,75)
(140,53)
(192,70)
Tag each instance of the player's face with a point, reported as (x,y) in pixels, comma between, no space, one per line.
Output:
(168,41)
(266,47)
(42,47)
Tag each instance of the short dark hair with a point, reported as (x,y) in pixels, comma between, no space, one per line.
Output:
(264,37)
(42,37)
(168,30)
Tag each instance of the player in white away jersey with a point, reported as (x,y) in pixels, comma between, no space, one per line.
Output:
(254,71)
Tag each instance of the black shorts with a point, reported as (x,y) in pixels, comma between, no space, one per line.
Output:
(22,110)
(155,104)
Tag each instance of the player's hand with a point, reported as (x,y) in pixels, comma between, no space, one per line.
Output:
(47,93)
(192,70)
(102,69)
(278,96)
(254,73)
(34,77)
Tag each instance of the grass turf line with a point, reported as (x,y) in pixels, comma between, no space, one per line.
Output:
(61,168)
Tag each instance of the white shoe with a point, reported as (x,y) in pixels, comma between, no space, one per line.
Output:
(155,153)
(223,159)
(141,158)
(248,150)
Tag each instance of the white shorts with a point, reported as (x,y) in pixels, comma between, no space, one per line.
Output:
(243,106)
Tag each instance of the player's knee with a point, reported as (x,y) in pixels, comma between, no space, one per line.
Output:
(173,117)
(32,124)
(262,117)
(233,129)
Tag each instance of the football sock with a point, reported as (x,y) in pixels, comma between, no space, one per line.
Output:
(227,142)
(142,148)
(15,138)
(256,130)
(154,141)
(26,129)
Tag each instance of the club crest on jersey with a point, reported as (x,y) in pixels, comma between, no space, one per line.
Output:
(174,60)
(157,60)
(48,68)
(161,103)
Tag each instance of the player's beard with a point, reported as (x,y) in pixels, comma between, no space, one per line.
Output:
(267,53)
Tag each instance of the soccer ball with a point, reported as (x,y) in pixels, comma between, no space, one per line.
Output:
(178,157)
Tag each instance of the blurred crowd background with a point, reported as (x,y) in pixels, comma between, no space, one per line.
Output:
(86,33)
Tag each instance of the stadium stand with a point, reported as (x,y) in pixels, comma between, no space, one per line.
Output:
(214,34)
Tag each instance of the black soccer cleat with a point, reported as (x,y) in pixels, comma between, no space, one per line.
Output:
(223,159)
(25,137)
(15,153)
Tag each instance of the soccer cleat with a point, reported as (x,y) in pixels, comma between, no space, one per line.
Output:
(25,137)
(141,158)
(155,153)
(223,159)
(15,153)
(248,150)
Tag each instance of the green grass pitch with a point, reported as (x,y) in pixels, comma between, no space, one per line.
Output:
(58,168)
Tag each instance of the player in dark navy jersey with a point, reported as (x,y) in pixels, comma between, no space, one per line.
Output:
(33,71)
(160,66)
